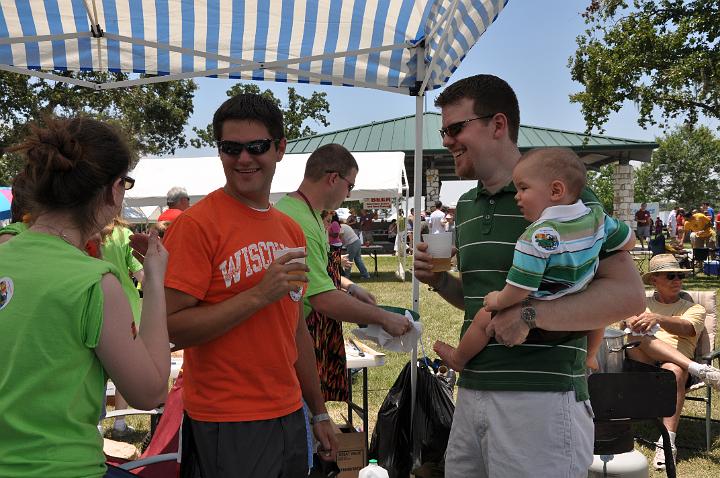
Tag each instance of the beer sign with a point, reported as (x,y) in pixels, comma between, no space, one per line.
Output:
(377,203)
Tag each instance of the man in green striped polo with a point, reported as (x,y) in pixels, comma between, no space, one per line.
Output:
(522,406)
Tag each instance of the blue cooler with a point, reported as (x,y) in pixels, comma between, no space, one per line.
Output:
(711,267)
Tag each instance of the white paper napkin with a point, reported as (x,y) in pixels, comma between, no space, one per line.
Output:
(403,343)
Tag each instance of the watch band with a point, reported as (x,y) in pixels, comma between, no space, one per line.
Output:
(320,417)
(527,314)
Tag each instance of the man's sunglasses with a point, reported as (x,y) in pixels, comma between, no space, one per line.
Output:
(454,129)
(128,182)
(256,147)
(674,275)
(351,186)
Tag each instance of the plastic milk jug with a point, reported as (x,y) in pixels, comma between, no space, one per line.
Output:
(373,470)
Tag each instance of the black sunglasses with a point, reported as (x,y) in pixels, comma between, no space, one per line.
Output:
(351,186)
(256,147)
(129,182)
(454,129)
(674,275)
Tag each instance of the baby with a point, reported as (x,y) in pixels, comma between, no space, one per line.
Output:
(556,255)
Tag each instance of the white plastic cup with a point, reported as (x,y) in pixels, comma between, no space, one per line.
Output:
(440,248)
(301,260)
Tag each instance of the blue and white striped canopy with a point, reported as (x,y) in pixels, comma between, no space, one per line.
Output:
(370,43)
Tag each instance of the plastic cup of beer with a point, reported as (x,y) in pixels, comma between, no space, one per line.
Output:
(281,252)
(440,248)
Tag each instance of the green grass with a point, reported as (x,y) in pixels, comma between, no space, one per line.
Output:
(442,321)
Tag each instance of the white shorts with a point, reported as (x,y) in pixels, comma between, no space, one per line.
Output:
(520,434)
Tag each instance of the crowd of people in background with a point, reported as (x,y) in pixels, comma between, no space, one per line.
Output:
(698,226)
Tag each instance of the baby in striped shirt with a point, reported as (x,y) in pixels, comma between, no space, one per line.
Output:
(556,255)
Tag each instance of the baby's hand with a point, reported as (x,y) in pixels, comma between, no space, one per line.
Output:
(491,301)
(592,363)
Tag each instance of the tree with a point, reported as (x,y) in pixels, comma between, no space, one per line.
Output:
(151,116)
(601,182)
(299,110)
(658,54)
(684,169)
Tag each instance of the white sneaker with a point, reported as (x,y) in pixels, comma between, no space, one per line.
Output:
(711,376)
(659,459)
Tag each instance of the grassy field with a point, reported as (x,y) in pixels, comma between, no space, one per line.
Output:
(442,321)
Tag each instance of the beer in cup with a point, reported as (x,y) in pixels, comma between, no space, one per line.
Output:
(281,252)
(440,248)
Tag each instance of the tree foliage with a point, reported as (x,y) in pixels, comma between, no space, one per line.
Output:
(299,110)
(601,182)
(656,53)
(151,116)
(683,171)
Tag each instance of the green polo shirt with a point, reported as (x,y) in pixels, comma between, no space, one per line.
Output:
(487,228)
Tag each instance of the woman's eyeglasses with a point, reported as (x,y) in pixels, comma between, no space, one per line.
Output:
(257,147)
(454,129)
(128,182)
(675,275)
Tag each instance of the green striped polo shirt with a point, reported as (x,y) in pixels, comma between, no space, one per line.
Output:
(487,228)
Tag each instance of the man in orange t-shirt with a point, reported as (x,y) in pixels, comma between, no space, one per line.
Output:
(249,359)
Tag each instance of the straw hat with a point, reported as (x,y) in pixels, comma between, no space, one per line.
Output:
(662,263)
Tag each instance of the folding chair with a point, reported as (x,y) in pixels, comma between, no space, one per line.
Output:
(699,256)
(163,451)
(657,245)
(705,353)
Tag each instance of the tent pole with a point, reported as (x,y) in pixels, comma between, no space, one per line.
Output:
(417,187)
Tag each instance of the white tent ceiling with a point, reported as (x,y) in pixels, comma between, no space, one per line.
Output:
(381,175)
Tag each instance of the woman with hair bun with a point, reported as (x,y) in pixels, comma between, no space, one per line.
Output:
(65,323)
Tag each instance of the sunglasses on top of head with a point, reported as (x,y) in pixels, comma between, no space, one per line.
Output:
(454,129)
(256,147)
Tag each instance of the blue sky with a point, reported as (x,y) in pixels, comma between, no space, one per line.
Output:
(529,46)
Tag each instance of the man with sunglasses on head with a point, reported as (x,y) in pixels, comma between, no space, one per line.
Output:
(522,406)
(330,298)
(236,310)
(673,324)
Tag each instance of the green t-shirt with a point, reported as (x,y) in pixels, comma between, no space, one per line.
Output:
(15,228)
(52,385)
(318,247)
(117,251)
(487,229)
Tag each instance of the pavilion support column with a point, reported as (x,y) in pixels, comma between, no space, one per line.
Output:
(432,187)
(624,193)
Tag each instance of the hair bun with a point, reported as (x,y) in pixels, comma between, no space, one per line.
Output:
(54,149)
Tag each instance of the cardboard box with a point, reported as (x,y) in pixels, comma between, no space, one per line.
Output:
(352,455)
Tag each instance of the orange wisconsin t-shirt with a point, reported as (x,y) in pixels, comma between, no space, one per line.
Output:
(218,248)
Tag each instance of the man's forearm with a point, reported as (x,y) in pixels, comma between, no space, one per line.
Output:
(615,293)
(677,326)
(450,288)
(200,324)
(342,307)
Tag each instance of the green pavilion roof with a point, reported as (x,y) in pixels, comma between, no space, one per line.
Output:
(399,135)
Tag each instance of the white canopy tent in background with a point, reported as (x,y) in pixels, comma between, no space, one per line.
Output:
(403,46)
(381,174)
(450,191)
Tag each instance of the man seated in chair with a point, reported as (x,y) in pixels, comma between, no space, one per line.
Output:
(676,324)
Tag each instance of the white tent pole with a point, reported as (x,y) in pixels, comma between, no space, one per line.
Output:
(417,186)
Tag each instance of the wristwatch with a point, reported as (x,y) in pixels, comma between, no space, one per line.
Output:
(320,417)
(527,314)
(442,284)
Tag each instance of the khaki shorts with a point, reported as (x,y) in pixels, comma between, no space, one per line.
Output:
(520,434)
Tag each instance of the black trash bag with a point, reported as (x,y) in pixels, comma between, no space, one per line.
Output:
(391,442)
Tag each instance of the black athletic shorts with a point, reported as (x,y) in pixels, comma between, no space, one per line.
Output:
(275,448)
